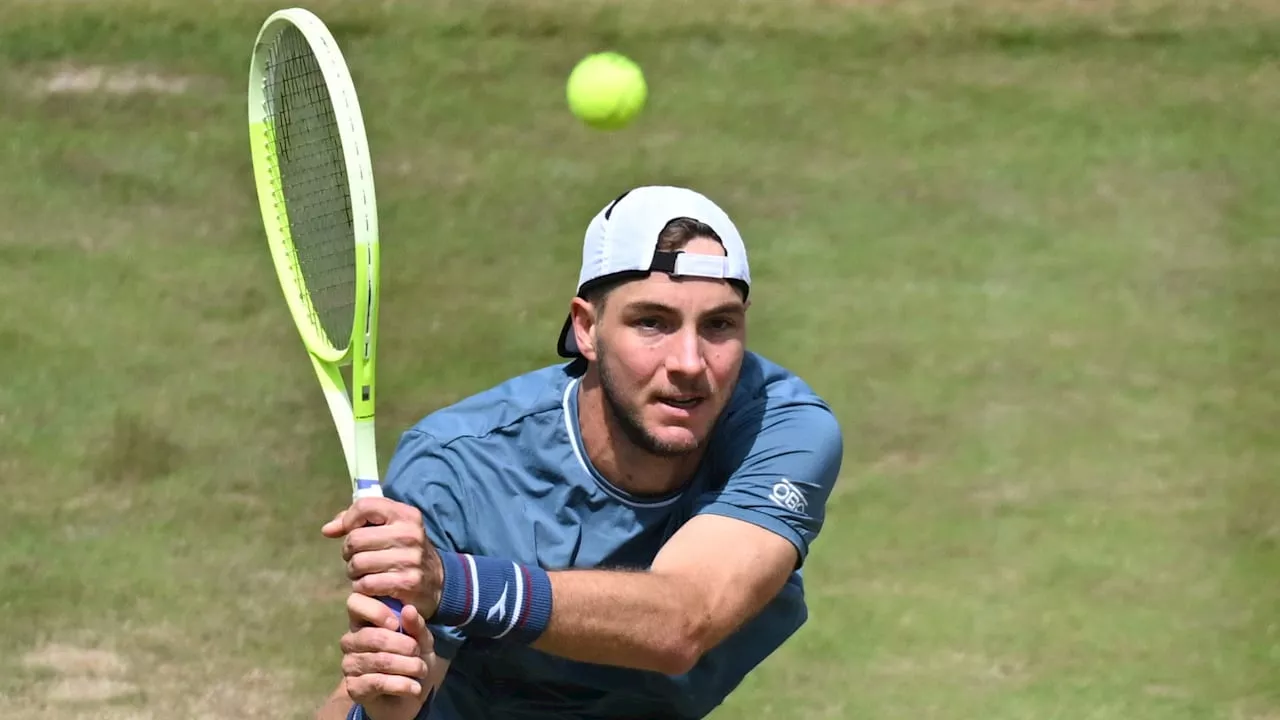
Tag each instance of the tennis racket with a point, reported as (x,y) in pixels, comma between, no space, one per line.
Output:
(314,179)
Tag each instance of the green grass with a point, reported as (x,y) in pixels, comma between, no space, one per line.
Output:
(1029,251)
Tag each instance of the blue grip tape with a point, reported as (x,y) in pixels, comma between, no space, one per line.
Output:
(396,606)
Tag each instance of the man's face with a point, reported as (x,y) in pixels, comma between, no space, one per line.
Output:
(668,352)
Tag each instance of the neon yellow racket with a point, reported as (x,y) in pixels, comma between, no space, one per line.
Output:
(314,177)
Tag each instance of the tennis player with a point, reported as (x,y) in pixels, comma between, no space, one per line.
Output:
(617,536)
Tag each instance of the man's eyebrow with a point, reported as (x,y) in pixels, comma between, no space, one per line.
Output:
(641,306)
(652,306)
(726,308)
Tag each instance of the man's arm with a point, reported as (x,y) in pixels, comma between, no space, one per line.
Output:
(722,567)
(337,705)
(711,577)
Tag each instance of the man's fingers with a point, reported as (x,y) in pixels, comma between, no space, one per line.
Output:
(384,664)
(366,688)
(382,537)
(335,528)
(367,511)
(415,625)
(379,640)
(364,611)
(411,623)
(400,584)
(383,561)
(379,511)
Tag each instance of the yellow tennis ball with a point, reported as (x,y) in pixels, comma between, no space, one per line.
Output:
(606,90)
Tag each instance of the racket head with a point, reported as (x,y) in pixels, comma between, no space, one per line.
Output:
(314,179)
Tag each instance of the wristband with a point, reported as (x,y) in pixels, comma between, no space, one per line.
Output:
(492,598)
(357,713)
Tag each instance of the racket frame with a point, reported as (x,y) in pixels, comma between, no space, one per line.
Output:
(353,411)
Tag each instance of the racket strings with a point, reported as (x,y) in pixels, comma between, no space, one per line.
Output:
(312,177)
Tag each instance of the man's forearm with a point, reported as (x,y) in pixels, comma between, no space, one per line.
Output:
(336,706)
(640,620)
(709,579)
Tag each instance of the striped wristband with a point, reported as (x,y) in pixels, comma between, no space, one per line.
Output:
(492,598)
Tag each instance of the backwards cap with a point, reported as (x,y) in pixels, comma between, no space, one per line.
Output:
(622,239)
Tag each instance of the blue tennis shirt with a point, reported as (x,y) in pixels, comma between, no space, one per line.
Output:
(504,473)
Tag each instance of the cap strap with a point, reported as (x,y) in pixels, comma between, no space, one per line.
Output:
(692,264)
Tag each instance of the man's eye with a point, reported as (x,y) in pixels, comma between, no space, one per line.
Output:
(651,323)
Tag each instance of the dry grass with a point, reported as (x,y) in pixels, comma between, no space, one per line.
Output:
(73,682)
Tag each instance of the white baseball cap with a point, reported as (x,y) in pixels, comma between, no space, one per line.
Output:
(622,239)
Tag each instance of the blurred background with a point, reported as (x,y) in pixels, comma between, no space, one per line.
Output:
(1028,250)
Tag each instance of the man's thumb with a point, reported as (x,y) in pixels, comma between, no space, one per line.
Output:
(335,527)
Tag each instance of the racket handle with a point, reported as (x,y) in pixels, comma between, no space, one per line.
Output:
(368,488)
(396,607)
(372,488)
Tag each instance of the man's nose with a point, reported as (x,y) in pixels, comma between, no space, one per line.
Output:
(686,356)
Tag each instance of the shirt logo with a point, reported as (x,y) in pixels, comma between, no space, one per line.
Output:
(788,496)
(499,609)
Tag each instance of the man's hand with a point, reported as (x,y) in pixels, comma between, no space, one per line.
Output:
(387,552)
(386,671)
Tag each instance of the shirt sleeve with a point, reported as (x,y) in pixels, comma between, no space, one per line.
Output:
(782,464)
(422,473)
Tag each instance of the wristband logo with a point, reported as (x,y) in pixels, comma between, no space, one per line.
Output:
(499,610)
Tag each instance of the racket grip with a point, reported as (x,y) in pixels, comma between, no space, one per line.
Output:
(396,607)
(372,488)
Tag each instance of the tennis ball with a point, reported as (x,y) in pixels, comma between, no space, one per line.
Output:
(606,90)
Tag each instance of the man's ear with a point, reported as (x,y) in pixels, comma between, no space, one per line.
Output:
(584,326)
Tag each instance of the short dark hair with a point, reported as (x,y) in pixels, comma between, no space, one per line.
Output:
(675,236)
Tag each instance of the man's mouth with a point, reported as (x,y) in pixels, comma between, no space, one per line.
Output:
(682,402)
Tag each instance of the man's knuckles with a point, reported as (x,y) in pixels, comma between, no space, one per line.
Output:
(381,663)
(405,562)
(406,585)
(378,640)
(365,689)
(383,511)
(378,538)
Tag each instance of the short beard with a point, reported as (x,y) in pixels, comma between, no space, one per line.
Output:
(629,419)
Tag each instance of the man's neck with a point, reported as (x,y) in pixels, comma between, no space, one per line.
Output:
(620,461)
